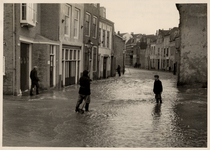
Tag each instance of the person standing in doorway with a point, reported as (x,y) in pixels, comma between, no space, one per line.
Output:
(84,91)
(158,88)
(34,81)
(119,70)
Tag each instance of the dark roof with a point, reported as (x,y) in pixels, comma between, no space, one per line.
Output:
(164,32)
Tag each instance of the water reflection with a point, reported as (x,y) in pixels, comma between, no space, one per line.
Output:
(157,111)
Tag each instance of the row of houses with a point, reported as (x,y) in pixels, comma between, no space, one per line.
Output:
(182,49)
(157,51)
(62,40)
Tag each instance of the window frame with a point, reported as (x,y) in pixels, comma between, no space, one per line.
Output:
(86,24)
(77,19)
(69,21)
(30,14)
(95,30)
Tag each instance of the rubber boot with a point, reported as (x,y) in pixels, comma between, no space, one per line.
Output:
(87,107)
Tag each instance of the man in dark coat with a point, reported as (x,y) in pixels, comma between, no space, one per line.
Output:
(119,70)
(158,88)
(34,81)
(84,91)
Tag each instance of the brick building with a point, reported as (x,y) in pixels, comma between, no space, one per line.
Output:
(90,38)
(193,43)
(106,31)
(25,47)
(46,35)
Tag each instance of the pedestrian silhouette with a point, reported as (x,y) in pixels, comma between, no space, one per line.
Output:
(119,70)
(34,81)
(158,88)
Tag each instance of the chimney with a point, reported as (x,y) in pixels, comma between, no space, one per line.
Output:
(118,32)
(132,33)
(103,12)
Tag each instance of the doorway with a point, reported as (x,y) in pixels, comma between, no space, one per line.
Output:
(24,67)
(104,67)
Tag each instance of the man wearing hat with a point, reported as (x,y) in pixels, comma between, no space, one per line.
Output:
(34,81)
(84,91)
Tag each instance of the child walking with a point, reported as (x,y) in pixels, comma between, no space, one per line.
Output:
(158,88)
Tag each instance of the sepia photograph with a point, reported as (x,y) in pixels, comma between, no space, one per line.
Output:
(104,74)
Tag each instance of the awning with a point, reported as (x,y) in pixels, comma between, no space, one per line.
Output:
(39,39)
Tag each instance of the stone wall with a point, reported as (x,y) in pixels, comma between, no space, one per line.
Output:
(193,43)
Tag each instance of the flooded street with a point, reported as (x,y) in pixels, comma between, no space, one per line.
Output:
(123,113)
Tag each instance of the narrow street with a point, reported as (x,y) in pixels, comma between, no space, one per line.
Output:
(123,113)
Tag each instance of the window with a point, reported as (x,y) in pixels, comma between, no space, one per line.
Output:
(71,55)
(28,14)
(104,38)
(67,20)
(107,39)
(94,27)
(87,22)
(75,53)
(63,54)
(78,55)
(94,58)
(76,23)
(66,54)
(99,36)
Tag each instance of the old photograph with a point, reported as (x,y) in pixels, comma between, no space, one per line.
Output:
(115,74)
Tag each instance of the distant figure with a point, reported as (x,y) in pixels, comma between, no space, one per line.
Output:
(135,66)
(34,81)
(123,70)
(158,88)
(174,68)
(119,70)
(84,91)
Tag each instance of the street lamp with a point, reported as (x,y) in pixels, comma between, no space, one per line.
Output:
(89,46)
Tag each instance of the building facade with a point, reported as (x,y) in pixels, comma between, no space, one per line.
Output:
(106,32)
(26,45)
(90,38)
(193,43)
(45,35)
(119,51)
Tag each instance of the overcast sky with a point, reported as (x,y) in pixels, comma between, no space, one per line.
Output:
(141,16)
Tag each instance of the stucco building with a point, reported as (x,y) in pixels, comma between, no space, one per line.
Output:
(193,43)
(106,32)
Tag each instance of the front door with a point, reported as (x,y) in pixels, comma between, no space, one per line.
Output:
(104,67)
(24,67)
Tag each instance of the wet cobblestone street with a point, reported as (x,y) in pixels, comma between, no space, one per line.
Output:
(123,113)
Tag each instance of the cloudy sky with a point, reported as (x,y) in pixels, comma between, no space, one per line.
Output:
(141,16)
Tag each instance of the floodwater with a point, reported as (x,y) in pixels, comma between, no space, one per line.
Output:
(123,113)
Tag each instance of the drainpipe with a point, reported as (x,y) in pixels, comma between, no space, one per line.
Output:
(14,52)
